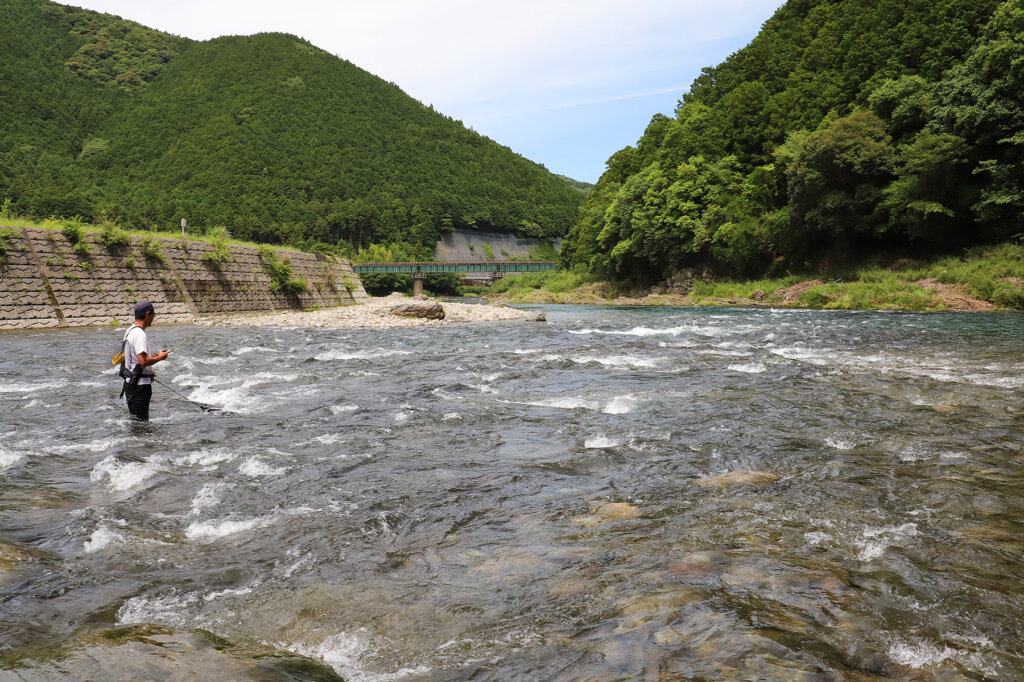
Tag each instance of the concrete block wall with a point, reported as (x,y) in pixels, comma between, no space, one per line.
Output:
(44,282)
(26,299)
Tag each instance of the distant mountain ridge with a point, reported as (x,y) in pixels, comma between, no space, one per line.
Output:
(579,185)
(267,135)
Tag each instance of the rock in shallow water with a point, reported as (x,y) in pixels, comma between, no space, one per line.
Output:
(660,607)
(607,512)
(14,561)
(11,556)
(428,311)
(734,479)
(155,653)
(618,510)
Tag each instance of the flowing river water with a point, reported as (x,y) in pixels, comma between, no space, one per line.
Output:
(523,501)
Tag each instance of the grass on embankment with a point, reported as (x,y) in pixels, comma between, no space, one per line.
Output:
(60,223)
(993,274)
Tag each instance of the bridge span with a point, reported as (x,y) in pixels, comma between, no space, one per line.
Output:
(496,268)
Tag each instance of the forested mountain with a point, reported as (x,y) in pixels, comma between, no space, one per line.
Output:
(267,135)
(578,185)
(845,127)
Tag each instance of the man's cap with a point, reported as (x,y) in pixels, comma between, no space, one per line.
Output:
(144,307)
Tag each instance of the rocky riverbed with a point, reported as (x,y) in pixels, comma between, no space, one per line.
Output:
(377,312)
(618,494)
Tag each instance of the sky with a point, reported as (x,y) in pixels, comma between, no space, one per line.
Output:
(565,83)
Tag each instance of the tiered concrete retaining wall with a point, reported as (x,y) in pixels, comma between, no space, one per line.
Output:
(44,282)
(455,245)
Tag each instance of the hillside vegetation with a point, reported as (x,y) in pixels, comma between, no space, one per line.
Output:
(267,135)
(845,129)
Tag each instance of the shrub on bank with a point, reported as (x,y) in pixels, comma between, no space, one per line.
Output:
(870,296)
(113,237)
(219,253)
(743,289)
(153,250)
(74,232)
(6,235)
(280,272)
(555,281)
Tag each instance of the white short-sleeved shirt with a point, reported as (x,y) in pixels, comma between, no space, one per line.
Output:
(135,342)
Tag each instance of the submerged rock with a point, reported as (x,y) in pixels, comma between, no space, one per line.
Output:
(150,652)
(570,588)
(618,510)
(697,564)
(11,556)
(515,565)
(607,512)
(428,311)
(734,479)
(659,607)
(537,317)
(14,560)
(588,520)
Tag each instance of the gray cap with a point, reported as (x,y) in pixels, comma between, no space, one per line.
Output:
(144,307)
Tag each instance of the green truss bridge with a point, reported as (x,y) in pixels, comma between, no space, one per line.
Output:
(494,268)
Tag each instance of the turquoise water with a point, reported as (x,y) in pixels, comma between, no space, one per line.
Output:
(523,501)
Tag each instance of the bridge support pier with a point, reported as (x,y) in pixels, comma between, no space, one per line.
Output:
(417,283)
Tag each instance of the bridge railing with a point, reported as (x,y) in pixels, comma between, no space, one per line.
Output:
(428,267)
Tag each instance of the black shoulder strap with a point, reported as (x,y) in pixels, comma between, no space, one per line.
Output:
(124,357)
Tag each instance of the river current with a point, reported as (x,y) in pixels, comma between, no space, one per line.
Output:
(529,501)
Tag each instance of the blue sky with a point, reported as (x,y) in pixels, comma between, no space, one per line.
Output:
(564,83)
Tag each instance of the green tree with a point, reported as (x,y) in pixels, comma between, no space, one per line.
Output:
(836,180)
(905,104)
(980,101)
(928,200)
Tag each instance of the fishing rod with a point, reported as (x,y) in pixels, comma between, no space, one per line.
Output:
(120,356)
(204,408)
(203,331)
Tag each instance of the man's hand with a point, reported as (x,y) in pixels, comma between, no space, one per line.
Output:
(147,360)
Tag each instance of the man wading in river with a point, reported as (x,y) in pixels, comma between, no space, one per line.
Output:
(138,378)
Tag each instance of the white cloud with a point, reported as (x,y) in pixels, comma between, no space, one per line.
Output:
(619,98)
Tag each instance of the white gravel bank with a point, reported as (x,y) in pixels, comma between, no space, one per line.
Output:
(376,312)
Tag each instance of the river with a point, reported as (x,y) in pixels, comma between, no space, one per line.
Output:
(524,501)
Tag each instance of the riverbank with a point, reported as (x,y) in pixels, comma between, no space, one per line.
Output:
(815,294)
(991,278)
(376,312)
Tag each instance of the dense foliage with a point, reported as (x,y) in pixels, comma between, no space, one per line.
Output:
(845,127)
(266,135)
